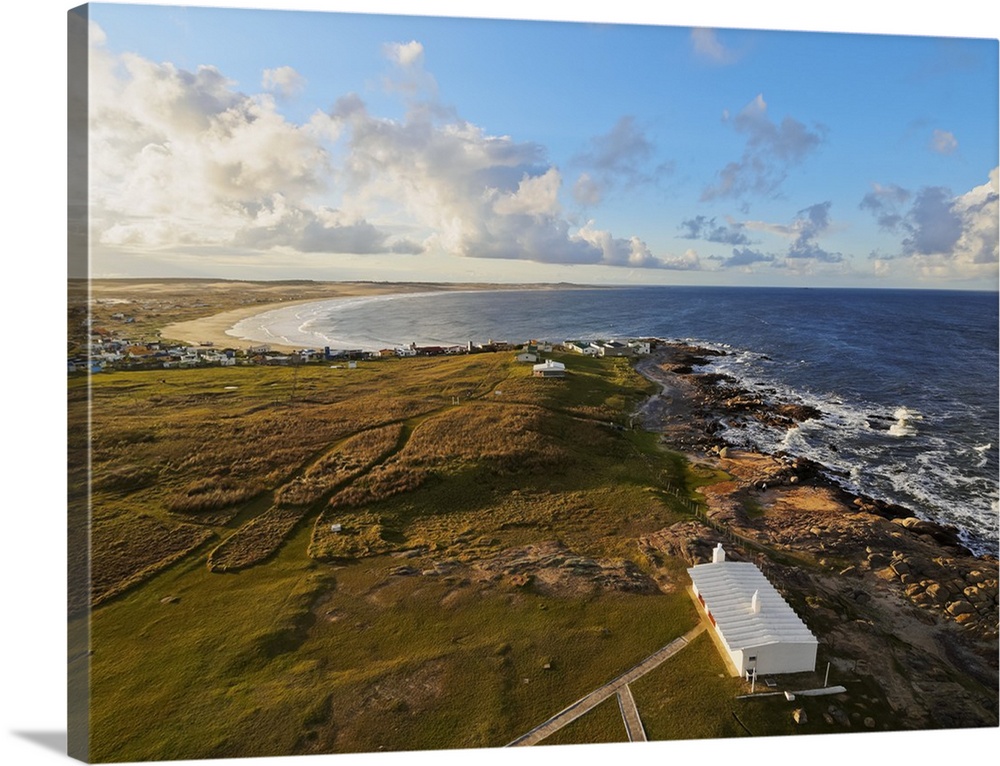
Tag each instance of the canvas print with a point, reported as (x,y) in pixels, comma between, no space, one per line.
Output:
(441,383)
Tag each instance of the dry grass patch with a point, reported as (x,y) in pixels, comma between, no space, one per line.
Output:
(212,494)
(341,464)
(361,534)
(130,548)
(255,541)
(504,438)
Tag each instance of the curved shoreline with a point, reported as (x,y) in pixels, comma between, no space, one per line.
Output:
(213,329)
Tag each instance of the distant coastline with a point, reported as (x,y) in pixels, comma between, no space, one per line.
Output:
(214,328)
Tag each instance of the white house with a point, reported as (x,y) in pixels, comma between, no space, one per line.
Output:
(549,369)
(527,356)
(581,347)
(640,347)
(610,348)
(757,628)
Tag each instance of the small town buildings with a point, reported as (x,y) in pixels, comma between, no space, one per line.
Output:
(549,369)
(611,348)
(640,347)
(580,347)
(527,356)
(756,628)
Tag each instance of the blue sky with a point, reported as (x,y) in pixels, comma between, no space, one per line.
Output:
(278,144)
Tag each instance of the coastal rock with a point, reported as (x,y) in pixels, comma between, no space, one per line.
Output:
(877,561)
(900,567)
(957,608)
(937,593)
(911,584)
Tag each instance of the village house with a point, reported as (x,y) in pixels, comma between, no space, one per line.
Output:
(580,347)
(611,348)
(640,347)
(549,369)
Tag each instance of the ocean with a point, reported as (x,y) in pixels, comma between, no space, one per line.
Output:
(907,380)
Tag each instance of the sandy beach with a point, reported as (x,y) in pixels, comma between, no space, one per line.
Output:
(213,329)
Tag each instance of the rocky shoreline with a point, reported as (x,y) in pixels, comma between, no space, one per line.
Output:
(894,598)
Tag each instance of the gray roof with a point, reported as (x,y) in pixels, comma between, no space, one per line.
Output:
(728,588)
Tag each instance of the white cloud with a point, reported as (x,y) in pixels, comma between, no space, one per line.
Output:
(284,82)
(587,190)
(707,45)
(184,158)
(405,54)
(944,142)
(535,195)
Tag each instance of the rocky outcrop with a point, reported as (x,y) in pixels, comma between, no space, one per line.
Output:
(893,598)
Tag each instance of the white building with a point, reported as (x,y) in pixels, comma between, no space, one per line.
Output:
(549,369)
(755,625)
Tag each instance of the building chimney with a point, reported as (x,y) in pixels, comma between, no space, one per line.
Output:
(718,555)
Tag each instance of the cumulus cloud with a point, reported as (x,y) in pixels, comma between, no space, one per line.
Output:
(944,142)
(283,82)
(408,76)
(180,157)
(587,190)
(707,229)
(771,150)
(942,236)
(535,195)
(184,158)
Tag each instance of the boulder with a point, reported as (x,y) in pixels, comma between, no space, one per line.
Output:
(877,561)
(937,593)
(955,608)
(799,716)
(900,567)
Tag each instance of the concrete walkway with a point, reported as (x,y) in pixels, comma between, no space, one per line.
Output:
(630,715)
(596,697)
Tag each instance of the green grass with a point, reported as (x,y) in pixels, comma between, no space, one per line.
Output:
(690,696)
(601,725)
(448,663)
(336,654)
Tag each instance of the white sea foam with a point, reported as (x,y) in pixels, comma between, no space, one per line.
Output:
(905,422)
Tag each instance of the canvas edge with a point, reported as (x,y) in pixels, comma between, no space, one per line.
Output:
(78,408)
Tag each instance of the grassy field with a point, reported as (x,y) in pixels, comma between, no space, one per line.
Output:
(232,619)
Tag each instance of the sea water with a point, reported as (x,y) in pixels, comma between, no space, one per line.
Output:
(907,380)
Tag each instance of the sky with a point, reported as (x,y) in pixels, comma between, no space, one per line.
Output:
(339,145)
